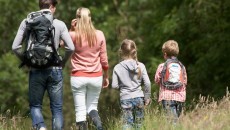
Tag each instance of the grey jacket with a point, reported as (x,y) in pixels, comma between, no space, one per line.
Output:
(61,33)
(125,78)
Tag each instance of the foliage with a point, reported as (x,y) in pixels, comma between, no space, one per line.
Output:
(201,28)
(13,83)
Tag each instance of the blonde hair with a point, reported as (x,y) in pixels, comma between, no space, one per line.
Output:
(84,27)
(171,48)
(128,49)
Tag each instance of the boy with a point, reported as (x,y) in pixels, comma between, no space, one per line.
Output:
(172,92)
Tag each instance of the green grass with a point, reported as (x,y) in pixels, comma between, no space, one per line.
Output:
(207,114)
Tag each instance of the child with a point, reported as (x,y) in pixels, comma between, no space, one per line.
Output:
(173,91)
(127,77)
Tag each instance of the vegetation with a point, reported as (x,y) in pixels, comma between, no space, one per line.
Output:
(201,28)
(207,114)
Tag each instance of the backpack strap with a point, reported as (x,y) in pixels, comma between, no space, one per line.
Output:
(56,55)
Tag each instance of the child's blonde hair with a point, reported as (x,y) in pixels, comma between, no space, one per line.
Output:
(171,48)
(128,50)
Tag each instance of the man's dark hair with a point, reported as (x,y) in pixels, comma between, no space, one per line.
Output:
(45,4)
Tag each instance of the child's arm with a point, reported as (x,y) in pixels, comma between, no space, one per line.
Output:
(147,86)
(185,77)
(115,80)
(158,74)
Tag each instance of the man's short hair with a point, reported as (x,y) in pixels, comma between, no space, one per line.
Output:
(45,4)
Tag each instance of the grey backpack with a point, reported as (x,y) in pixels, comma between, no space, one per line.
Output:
(39,50)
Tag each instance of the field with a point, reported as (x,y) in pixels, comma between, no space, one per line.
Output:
(204,114)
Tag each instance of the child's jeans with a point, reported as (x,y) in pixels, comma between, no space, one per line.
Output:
(133,113)
(173,109)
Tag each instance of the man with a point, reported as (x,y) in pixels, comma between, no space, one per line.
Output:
(51,78)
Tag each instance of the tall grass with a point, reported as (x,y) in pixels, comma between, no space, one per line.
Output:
(206,114)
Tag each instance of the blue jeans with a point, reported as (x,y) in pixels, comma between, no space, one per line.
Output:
(133,113)
(173,109)
(41,80)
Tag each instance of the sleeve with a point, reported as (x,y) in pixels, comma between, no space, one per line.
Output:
(147,83)
(158,74)
(185,77)
(69,46)
(103,52)
(115,80)
(72,35)
(17,43)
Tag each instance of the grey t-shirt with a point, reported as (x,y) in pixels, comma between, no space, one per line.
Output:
(125,78)
(61,33)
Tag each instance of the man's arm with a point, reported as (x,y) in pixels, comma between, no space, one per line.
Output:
(68,43)
(17,44)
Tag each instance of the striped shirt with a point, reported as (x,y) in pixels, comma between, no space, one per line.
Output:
(165,94)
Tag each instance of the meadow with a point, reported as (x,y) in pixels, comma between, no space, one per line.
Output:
(203,114)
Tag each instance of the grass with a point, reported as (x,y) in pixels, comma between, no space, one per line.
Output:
(206,114)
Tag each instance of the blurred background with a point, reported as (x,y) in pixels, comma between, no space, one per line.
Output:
(201,27)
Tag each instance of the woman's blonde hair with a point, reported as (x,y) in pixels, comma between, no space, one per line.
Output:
(128,49)
(171,48)
(84,27)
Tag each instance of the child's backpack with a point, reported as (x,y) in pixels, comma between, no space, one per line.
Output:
(40,50)
(173,74)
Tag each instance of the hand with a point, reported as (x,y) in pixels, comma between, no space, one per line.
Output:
(147,101)
(73,24)
(105,82)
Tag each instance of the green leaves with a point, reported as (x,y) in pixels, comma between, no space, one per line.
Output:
(13,87)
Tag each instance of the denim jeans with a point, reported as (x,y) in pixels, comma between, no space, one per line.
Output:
(172,109)
(133,113)
(41,80)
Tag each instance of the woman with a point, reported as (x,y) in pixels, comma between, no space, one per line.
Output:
(89,68)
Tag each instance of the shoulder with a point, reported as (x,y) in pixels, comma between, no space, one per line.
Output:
(57,22)
(23,24)
(141,64)
(99,33)
(160,65)
(116,67)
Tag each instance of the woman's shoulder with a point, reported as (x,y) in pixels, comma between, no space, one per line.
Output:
(99,32)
